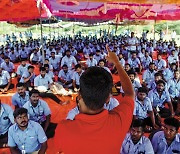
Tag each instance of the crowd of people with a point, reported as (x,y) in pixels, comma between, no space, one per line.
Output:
(84,64)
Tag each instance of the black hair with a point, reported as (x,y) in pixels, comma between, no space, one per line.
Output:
(161,81)
(142,90)
(102,60)
(131,72)
(95,86)
(172,122)
(138,123)
(19,111)
(30,66)
(46,65)
(91,54)
(20,84)
(42,69)
(77,66)
(64,66)
(158,74)
(151,63)
(6,57)
(33,91)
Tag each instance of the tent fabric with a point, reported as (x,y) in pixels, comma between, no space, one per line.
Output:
(19,10)
(103,11)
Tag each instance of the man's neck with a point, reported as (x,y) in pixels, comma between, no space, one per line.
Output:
(23,128)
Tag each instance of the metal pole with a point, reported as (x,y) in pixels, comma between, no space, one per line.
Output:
(43,57)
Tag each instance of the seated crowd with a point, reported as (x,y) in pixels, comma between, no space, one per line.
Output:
(157,94)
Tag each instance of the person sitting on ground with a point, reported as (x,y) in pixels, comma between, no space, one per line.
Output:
(160,63)
(143,109)
(158,97)
(7,65)
(135,83)
(28,76)
(34,57)
(157,76)
(135,63)
(168,73)
(76,77)
(44,82)
(148,75)
(69,60)
(21,69)
(39,111)
(48,72)
(5,81)
(174,89)
(65,77)
(167,141)
(21,96)
(135,142)
(93,121)
(26,136)
(102,63)
(6,120)
(91,61)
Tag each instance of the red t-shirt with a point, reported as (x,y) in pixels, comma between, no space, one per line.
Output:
(95,134)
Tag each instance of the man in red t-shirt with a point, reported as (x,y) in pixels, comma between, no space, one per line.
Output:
(95,130)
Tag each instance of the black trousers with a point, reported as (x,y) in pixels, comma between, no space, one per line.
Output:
(50,130)
(50,95)
(4,86)
(3,139)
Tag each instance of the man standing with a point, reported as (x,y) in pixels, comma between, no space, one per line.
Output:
(6,120)
(26,136)
(99,130)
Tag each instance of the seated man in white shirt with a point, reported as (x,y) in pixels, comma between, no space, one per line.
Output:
(65,77)
(44,80)
(135,142)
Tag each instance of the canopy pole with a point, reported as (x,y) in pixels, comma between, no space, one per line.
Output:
(49,29)
(43,57)
(154,29)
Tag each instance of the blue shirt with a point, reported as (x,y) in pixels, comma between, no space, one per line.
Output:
(148,76)
(174,88)
(29,140)
(113,102)
(13,56)
(21,69)
(168,74)
(134,63)
(40,81)
(23,53)
(18,100)
(76,77)
(141,109)
(9,67)
(4,78)
(6,118)
(92,62)
(160,145)
(156,100)
(54,62)
(146,61)
(144,146)
(26,74)
(38,113)
(69,61)
(161,64)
